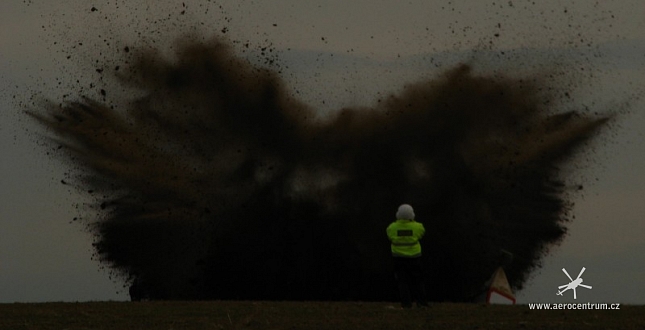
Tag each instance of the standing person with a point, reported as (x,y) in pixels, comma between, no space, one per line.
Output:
(405,233)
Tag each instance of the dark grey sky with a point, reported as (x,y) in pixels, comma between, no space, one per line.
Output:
(378,46)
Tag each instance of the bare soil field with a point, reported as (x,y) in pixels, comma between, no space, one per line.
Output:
(306,315)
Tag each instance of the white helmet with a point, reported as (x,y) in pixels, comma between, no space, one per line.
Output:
(405,212)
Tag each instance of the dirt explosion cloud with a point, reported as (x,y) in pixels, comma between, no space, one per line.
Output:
(215,183)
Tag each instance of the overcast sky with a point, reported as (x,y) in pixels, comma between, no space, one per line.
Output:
(344,53)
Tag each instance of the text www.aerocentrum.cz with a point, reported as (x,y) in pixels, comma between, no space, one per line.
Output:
(575,306)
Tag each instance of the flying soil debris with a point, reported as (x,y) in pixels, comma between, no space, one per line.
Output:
(215,183)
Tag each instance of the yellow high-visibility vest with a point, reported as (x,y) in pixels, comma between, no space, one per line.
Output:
(405,236)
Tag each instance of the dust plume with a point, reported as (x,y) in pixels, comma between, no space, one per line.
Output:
(215,183)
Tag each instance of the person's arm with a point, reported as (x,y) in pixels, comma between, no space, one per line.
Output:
(390,233)
(422,230)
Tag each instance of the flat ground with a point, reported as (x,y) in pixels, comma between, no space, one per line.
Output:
(306,315)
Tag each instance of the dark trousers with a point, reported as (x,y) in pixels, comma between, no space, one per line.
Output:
(409,276)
